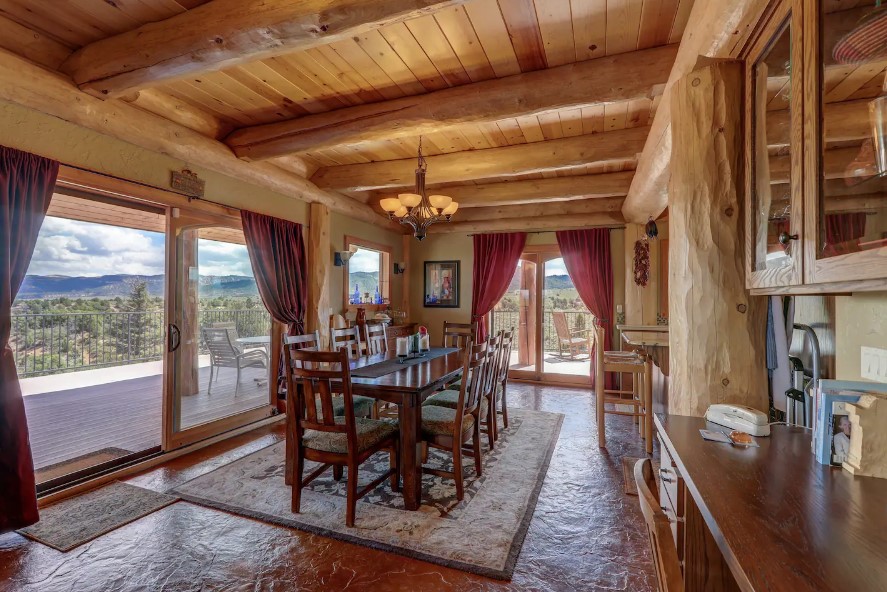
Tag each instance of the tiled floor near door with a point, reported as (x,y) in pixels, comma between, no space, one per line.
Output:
(586,534)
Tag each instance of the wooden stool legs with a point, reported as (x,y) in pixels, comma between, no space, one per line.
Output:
(642,397)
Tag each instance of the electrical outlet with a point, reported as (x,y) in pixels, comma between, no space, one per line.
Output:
(873,362)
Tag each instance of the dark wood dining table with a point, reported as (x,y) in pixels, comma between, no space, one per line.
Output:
(408,388)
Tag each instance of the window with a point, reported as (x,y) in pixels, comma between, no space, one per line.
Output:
(367,274)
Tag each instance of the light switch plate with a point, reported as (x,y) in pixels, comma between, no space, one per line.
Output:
(873,362)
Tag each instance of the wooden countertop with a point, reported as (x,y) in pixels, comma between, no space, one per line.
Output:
(782,521)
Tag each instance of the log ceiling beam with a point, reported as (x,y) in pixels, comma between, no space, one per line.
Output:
(606,205)
(559,222)
(845,121)
(491,163)
(28,85)
(557,189)
(716,29)
(600,81)
(225,33)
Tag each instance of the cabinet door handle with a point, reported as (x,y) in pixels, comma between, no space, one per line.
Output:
(666,476)
(785,237)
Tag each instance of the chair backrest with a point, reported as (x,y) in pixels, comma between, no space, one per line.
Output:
(349,339)
(221,350)
(560,325)
(494,350)
(505,356)
(375,338)
(665,554)
(308,341)
(597,367)
(316,377)
(474,376)
(459,335)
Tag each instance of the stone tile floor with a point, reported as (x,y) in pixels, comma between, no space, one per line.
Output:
(586,534)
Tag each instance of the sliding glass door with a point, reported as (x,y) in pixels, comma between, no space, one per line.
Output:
(223,367)
(552,325)
(88,336)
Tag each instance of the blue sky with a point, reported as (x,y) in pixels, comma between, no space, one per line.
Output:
(74,248)
(555,267)
(364,260)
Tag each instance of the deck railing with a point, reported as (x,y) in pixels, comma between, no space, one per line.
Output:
(50,343)
(576,319)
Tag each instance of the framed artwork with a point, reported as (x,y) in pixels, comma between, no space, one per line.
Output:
(442,284)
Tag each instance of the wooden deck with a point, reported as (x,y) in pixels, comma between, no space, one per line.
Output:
(126,414)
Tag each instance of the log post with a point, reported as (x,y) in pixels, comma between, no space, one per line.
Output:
(319,254)
(717,352)
(405,276)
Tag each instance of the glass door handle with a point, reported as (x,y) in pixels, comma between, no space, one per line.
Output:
(174,337)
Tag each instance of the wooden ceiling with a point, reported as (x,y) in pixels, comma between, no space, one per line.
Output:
(420,50)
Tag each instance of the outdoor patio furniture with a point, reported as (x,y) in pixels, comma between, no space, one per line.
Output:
(223,354)
(572,340)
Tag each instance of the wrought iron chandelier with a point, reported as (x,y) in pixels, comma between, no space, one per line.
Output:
(419,210)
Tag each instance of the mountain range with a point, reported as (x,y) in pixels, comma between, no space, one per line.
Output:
(552,282)
(111,286)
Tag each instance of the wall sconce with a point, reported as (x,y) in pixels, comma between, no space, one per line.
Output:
(340,258)
(399,268)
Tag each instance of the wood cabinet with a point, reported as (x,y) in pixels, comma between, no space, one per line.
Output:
(816,156)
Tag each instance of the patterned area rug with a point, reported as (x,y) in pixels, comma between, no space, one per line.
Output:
(77,520)
(482,534)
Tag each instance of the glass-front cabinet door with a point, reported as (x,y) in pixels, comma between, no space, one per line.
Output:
(773,152)
(847,142)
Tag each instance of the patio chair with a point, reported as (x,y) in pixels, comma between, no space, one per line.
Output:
(231,326)
(223,354)
(570,338)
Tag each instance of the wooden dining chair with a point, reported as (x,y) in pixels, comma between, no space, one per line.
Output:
(639,398)
(363,406)
(375,338)
(488,410)
(662,545)
(320,436)
(349,339)
(451,429)
(459,335)
(502,377)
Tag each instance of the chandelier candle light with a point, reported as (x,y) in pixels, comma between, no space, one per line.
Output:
(419,210)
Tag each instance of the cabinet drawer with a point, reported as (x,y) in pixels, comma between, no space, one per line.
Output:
(671,486)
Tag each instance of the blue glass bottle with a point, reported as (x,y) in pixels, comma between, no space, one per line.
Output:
(355,298)
(377,298)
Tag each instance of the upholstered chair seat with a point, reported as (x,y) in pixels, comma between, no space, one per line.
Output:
(370,432)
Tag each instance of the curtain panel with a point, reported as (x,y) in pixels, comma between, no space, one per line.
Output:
(277,255)
(26,185)
(586,256)
(495,259)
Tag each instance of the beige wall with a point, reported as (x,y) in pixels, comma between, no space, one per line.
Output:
(437,247)
(860,320)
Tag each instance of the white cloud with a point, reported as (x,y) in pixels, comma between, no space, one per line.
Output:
(364,260)
(218,258)
(555,267)
(72,248)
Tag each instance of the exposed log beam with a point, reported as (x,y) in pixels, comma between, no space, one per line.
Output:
(225,33)
(486,164)
(180,112)
(561,222)
(558,189)
(32,87)
(715,28)
(612,205)
(595,82)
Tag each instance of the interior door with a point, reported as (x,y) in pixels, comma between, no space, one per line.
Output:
(565,331)
(223,368)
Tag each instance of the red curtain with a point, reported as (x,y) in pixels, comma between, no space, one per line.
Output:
(277,255)
(842,233)
(586,256)
(495,258)
(26,185)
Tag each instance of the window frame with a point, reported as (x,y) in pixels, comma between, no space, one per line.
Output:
(385,253)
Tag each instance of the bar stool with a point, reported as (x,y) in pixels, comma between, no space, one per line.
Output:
(639,397)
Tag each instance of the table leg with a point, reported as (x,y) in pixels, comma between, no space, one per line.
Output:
(410,412)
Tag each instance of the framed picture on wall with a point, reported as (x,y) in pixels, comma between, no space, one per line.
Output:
(442,284)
